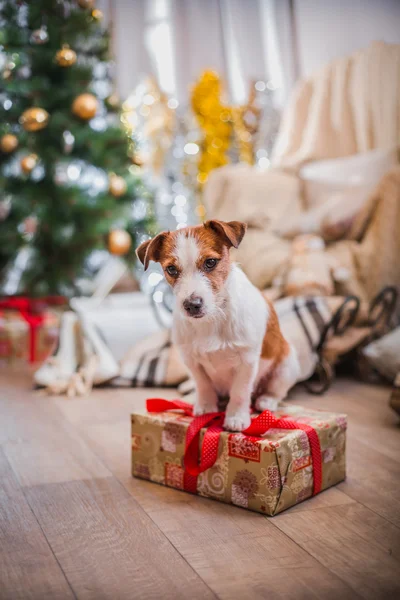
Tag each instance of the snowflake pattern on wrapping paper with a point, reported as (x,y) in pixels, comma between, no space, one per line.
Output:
(174,475)
(341,421)
(136,441)
(142,470)
(244,446)
(329,454)
(274,478)
(239,496)
(246,482)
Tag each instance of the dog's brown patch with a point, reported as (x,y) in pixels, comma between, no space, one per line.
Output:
(274,346)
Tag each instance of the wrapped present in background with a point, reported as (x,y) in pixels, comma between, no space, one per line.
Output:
(29,328)
(280,460)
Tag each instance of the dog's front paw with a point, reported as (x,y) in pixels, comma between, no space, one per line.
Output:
(203,407)
(237,421)
(266,403)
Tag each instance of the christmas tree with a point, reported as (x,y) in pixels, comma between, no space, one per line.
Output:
(68,185)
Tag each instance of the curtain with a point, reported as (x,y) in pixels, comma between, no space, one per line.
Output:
(175,40)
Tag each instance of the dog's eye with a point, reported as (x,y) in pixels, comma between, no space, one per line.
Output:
(210,264)
(172,271)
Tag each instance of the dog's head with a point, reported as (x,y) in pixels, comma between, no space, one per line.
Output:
(196,263)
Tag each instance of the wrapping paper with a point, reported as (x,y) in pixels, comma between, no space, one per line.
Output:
(267,473)
(28,336)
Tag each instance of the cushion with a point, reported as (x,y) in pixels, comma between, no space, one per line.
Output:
(323,178)
(259,198)
(338,195)
(384,354)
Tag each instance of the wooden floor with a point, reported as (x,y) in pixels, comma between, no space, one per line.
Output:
(74,524)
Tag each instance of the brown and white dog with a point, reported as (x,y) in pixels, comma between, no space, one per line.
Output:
(228,333)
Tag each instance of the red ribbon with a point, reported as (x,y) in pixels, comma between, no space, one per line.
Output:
(196,462)
(32,310)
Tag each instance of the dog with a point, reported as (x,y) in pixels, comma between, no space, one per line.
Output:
(227,331)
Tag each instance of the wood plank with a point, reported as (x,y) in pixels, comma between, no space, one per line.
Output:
(106,544)
(28,568)
(39,443)
(372,479)
(360,547)
(236,552)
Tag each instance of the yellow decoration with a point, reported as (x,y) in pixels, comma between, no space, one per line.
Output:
(119,242)
(215,120)
(97,14)
(86,3)
(117,185)
(29,162)
(34,119)
(8,143)
(85,106)
(66,57)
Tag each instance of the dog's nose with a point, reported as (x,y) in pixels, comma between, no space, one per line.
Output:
(193,305)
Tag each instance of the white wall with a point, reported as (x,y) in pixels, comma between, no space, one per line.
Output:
(327,29)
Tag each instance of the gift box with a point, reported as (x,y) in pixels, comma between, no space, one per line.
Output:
(282,459)
(28,329)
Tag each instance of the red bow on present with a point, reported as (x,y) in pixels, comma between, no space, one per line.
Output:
(196,462)
(32,310)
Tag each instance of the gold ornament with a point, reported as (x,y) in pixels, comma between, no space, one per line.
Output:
(34,119)
(119,242)
(66,57)
(39,36)
(29,162)
(113,101)
(85,106)
(97,14)
(86,3)
(8,143)
(117,185)
(137,159)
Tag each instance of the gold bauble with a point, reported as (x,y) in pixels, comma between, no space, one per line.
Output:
(113,101)
(34,119)
(85,106)
(97,14)
(8,143)
(119,242)
(29,162)
(66,57)
(137,159)
(86,3)
(117,185)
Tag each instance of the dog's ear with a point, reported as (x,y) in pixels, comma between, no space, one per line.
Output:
(151,249)
(232,231)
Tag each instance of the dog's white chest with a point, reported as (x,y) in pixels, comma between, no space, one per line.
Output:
(220,367)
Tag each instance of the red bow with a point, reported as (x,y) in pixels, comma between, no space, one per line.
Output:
(32,310)
(196,462)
